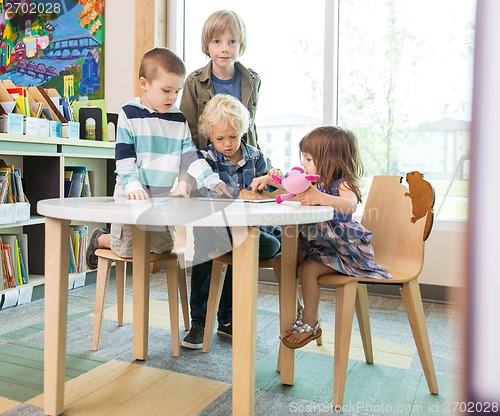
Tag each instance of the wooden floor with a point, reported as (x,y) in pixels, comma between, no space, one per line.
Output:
(7,404)
(127,389)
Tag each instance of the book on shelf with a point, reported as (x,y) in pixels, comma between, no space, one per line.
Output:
(4,190)
(6,178)
(21,280)
(22,264)
(9,242)
(11,184)
(21,97)
(7,280)
(49,110)
(67,111)
(54,99)
(8,104)
(36,109)
(17,257)
(20,196)
(8,266)
(86,191)
(2,268)
(77,180)
(79,236)
(67,182)
(72,260)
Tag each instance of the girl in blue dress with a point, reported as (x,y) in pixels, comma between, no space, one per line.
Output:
(341,243)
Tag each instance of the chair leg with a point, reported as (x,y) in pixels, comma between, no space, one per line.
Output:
(412,299)
(278,365)
(120,276)
(363,316)
(173,303)
(183,293)
(344,311)
(154,266)
(103,268)
(319,340)
(214,294)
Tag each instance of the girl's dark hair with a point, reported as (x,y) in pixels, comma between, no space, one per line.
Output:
(336,156)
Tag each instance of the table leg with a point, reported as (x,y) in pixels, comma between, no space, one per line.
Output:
(245,274)
(56,313)
(288,299)
(140,286)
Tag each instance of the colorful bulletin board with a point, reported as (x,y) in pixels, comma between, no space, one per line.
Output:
(55,43)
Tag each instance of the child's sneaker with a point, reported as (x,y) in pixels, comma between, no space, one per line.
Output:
(226,330)
(194,339)
(90,256)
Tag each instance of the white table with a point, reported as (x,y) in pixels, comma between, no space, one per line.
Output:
(243,218)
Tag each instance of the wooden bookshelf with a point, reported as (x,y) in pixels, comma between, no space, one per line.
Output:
(42,161)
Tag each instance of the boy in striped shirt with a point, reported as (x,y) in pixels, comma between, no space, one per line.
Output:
(153,143)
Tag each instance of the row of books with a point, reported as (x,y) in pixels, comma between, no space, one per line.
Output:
(78,244)
(14,269)
(77,181)
(14,251)
(36,102)
(11,184)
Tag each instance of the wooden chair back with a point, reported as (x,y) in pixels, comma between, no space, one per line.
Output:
(397,241)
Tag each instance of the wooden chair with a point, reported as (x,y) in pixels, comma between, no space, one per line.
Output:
(398,241)
(174,265)
(219,266)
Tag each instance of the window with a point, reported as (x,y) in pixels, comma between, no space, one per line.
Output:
(404,87)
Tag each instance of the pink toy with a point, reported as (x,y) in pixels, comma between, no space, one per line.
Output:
(295,182)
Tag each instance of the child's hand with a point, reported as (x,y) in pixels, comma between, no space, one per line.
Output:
(246,194)
(221,189)
(311,196)
(138,194)
(276,172)
(183,188)
(258,184)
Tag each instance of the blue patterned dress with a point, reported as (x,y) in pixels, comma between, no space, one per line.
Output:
(342,244)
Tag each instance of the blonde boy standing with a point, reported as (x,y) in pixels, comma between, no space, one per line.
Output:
(223,40)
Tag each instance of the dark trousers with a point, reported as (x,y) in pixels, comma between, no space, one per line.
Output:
(206,240)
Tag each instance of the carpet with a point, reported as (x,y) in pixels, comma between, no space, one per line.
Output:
(395,384)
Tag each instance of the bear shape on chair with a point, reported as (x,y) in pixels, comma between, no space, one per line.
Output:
(294,182)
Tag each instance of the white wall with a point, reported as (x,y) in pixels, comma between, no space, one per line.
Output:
(444,261)
(118,53)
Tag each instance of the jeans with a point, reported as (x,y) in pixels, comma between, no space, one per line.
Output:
(205,238)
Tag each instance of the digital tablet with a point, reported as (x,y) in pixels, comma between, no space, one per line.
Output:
(227,200)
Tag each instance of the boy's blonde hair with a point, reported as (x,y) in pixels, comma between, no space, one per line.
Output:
(218,23)
(161,58)
(224,110)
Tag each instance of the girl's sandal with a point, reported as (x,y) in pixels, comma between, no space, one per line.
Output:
(301,327)
(300,311)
